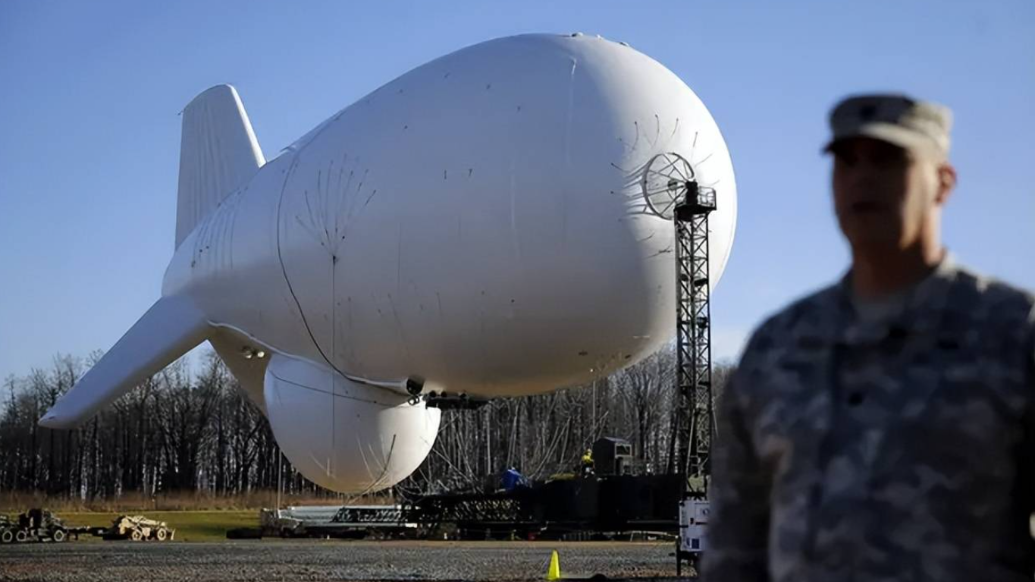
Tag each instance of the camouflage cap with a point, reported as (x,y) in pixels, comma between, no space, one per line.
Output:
(921,126)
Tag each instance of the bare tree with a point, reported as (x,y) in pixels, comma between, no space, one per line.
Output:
(194,430)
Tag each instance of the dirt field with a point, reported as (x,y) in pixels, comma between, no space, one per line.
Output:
(284,560)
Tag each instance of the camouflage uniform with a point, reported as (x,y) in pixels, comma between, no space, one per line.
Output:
(891,449)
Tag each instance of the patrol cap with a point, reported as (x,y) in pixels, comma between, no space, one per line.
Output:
(920,126)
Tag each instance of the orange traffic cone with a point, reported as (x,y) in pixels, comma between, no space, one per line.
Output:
(554,571)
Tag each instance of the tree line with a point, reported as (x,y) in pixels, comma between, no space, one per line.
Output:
(194,430)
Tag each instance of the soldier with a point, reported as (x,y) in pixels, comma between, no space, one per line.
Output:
(883,428)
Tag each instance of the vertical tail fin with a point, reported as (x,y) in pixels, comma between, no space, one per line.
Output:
(218,153)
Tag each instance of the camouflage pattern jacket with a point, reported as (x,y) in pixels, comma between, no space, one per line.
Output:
(903,449)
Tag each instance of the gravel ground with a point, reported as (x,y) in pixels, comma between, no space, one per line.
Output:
(328,560)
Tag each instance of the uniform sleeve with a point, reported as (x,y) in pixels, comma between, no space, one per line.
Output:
(738,528)
(1031,349)
(1027,459)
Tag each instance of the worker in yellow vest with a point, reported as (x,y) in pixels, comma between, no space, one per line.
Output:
(587,462)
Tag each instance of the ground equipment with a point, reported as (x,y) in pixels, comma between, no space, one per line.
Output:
(349,521)
(37,525)
(7,530)
(138,528)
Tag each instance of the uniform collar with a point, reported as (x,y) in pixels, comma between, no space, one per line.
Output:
(924,302)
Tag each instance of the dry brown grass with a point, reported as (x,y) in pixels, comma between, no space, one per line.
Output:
(20,501)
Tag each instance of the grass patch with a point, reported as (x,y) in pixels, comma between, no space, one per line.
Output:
(190,526)
(14,502)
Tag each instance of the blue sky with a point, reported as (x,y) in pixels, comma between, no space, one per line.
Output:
(89,132)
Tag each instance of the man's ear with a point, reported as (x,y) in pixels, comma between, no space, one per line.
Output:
(946,182)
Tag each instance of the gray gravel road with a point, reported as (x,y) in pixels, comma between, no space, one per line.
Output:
(327,560)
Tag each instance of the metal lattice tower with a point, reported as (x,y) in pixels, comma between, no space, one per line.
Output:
(671,191)
(696,429)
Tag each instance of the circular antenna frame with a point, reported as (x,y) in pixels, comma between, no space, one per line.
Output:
(664,183)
